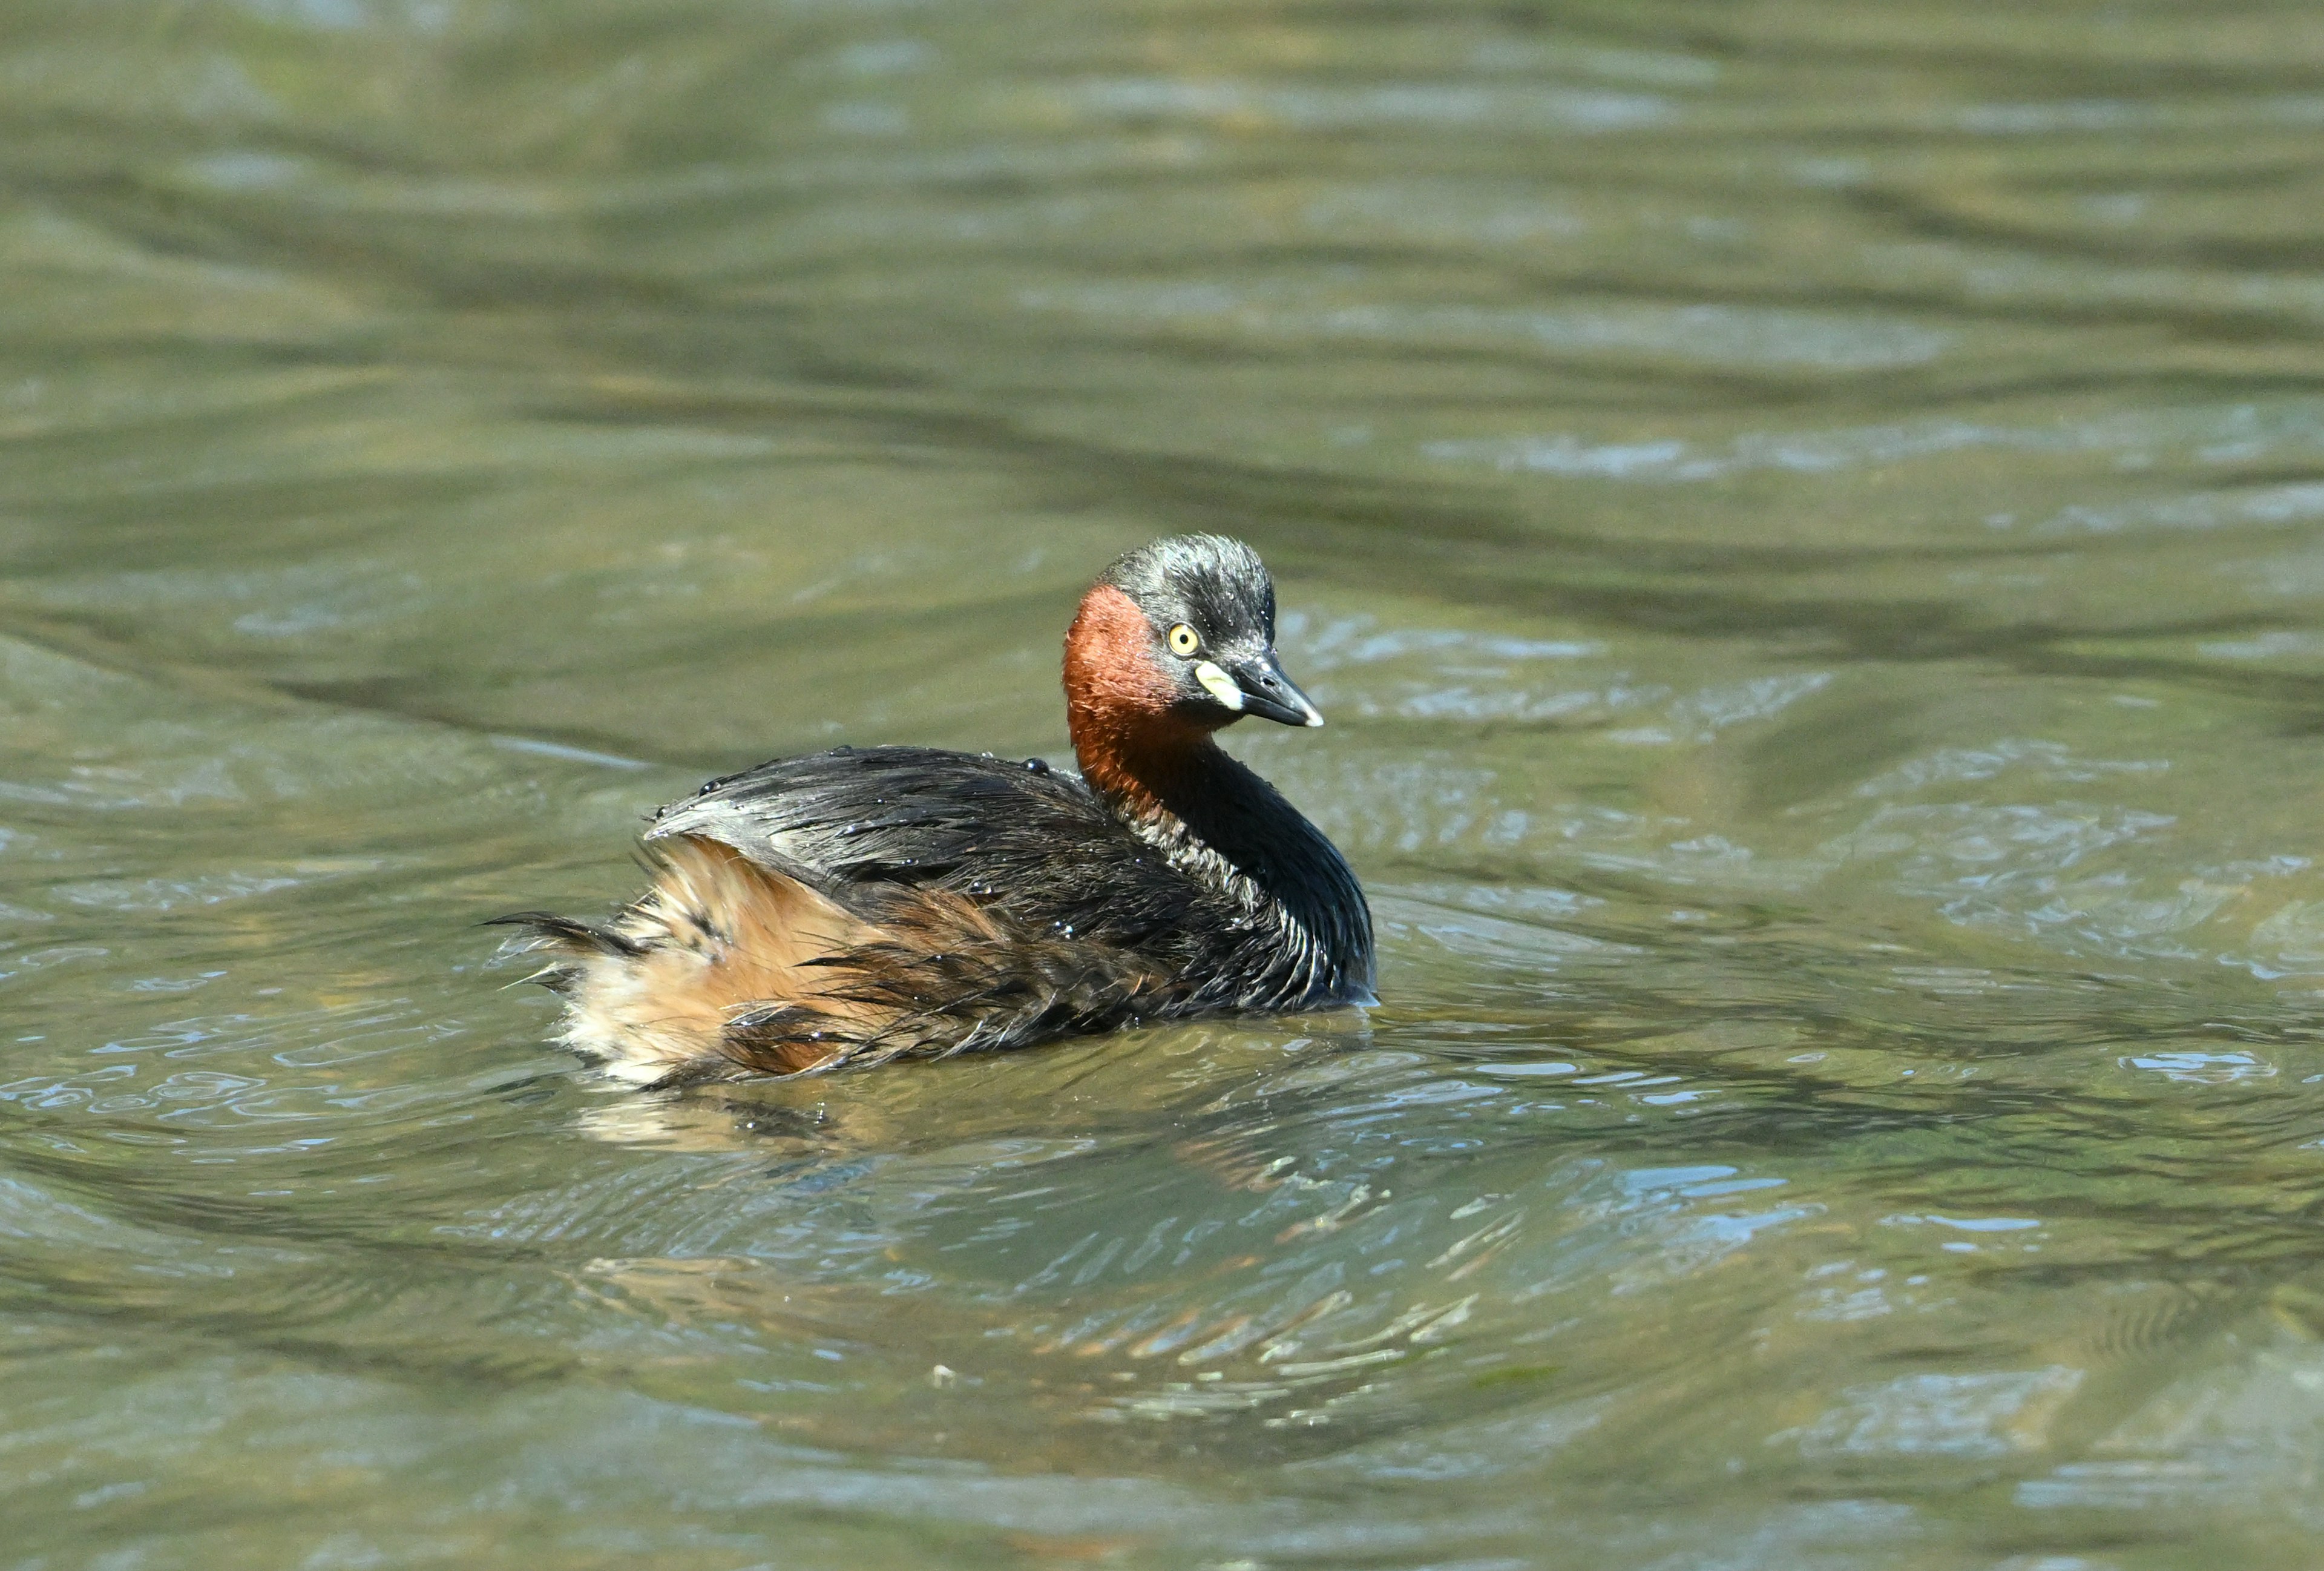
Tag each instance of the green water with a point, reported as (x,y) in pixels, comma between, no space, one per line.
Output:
(1807,520)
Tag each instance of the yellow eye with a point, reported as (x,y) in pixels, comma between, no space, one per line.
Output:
(1182,639)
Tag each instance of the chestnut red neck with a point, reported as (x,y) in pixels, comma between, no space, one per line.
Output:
(1134,742)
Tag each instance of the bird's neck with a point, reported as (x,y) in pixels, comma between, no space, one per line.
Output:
(1150,776)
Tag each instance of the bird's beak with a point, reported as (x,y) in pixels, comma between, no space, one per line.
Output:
(1269,693)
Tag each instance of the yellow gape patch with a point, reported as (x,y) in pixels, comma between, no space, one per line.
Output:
(1221,686)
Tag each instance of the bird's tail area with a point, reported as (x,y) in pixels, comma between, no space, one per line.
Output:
(650,994)
(725,968)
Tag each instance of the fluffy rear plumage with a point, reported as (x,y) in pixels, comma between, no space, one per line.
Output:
(650,993)
(725,968)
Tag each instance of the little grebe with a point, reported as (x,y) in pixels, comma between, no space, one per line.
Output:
(867,904)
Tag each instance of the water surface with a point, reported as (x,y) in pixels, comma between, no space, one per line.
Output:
(1807,520)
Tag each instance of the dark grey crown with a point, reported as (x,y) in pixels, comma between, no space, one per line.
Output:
(1217,585)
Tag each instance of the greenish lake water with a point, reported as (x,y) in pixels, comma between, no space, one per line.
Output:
(1807,519)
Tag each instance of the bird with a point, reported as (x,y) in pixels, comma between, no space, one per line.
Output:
(869,904)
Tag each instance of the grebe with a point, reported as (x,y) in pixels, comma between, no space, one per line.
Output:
(868,905)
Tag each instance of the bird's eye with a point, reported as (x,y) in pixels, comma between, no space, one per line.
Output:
(1182,639)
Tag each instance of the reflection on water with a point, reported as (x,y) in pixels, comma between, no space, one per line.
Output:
(1805,521)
